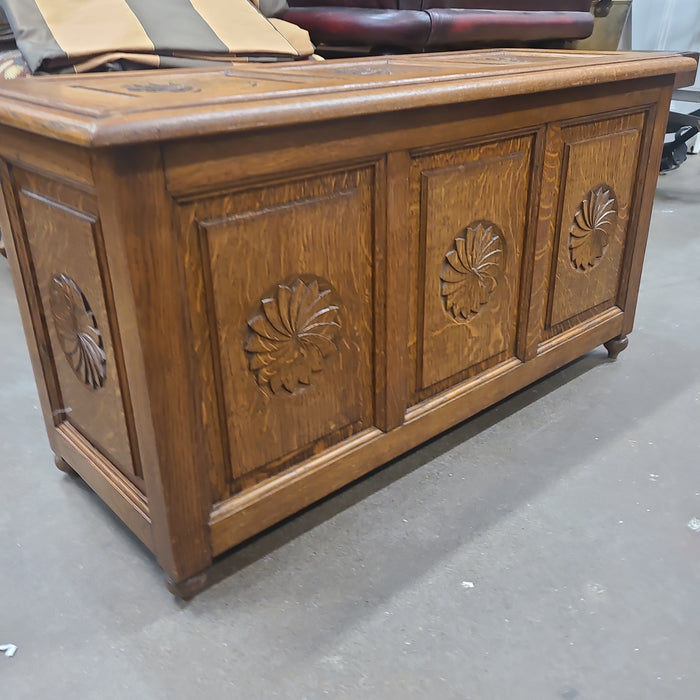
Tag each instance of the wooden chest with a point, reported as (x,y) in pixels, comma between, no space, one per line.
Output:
(243,288)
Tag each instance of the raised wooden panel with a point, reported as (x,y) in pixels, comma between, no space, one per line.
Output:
(599,171)
(471,223)
(63,234)
(289,284)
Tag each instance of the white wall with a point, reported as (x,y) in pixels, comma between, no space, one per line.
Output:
(666,25)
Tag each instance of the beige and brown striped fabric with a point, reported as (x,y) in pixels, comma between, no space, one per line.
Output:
(56,35)
(6,36)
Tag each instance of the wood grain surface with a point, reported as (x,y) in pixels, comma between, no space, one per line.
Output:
(452,219)
(244,288)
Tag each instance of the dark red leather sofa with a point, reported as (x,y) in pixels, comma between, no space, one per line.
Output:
(431,25)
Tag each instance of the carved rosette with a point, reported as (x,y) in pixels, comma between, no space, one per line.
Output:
(472,269)
(589,234)
(293,332)
(77,331)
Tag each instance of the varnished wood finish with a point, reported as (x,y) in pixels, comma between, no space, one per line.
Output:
(320,229)
(470,258)
(188,588)
(63,466)
(63,223)
(616,345)
(241,296)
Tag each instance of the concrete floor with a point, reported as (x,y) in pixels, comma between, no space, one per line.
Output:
(541,550)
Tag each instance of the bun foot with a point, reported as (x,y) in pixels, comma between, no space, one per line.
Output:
(616,346)
(188,588)
(63,466)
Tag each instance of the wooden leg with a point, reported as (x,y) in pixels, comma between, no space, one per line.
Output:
(64,466)
(616,346)
(3,252)
(189,587)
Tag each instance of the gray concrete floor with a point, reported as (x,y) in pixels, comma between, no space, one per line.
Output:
(541,550)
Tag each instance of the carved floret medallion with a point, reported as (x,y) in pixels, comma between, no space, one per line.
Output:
(77,331)
(471,270)
(590,233)
(293,332)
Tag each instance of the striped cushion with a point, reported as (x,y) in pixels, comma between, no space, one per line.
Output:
(59,35)
(12,65)
(6,36)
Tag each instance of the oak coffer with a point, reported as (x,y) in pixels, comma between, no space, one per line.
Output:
(243,288)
